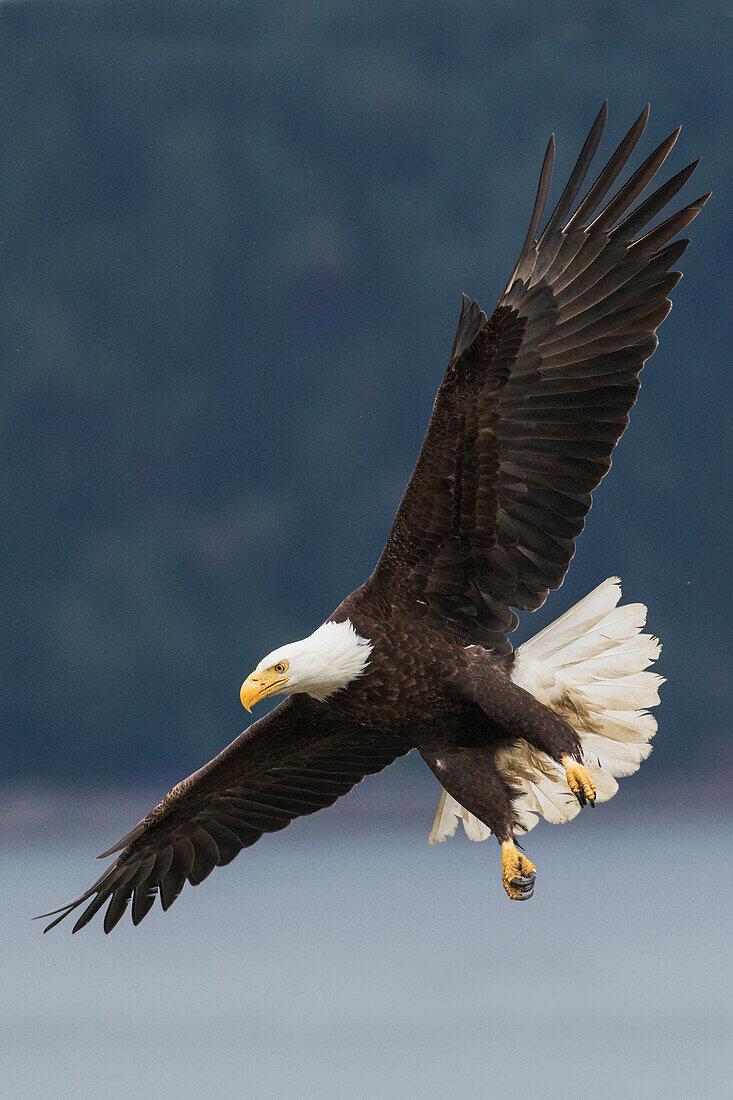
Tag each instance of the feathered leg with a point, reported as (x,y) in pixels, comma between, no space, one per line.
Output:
(517,714)
(470,775)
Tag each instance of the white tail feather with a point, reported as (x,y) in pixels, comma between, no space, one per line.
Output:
(446,821)
(589,665)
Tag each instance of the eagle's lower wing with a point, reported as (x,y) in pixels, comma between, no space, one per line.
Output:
(535,398)
(293,761)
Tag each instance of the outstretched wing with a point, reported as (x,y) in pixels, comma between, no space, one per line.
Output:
(535,398)
(293,761)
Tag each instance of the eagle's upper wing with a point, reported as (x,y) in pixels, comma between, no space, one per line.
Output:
(293,761)
(535,398)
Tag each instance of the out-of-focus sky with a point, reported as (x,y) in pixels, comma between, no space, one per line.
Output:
(234,238)
(331,962)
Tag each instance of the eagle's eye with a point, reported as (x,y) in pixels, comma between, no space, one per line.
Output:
(279,667)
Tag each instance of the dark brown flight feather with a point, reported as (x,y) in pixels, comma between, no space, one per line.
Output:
(292,762)
(535,398)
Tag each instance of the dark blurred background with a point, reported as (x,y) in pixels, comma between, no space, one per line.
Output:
(233,241)
(234,237)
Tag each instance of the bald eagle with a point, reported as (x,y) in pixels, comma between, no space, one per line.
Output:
(533,401)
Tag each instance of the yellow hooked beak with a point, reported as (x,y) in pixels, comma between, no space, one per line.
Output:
(258,685)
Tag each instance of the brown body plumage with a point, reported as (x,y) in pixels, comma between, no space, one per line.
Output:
(533,401)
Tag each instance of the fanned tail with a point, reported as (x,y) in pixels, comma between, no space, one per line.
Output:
(590,667)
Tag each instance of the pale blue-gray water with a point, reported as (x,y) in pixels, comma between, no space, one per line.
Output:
(346,958)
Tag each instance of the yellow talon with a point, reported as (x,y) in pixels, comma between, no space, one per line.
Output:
(517,873)
(579,781)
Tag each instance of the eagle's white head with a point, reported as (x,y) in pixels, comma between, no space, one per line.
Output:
(319,665)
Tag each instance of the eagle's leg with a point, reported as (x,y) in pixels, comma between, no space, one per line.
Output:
(517,873)
(470,775)
(579,781)
(517,714)
(553,735)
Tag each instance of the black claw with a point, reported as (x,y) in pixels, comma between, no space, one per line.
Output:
(581,798)
(522,886)
(525,886)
